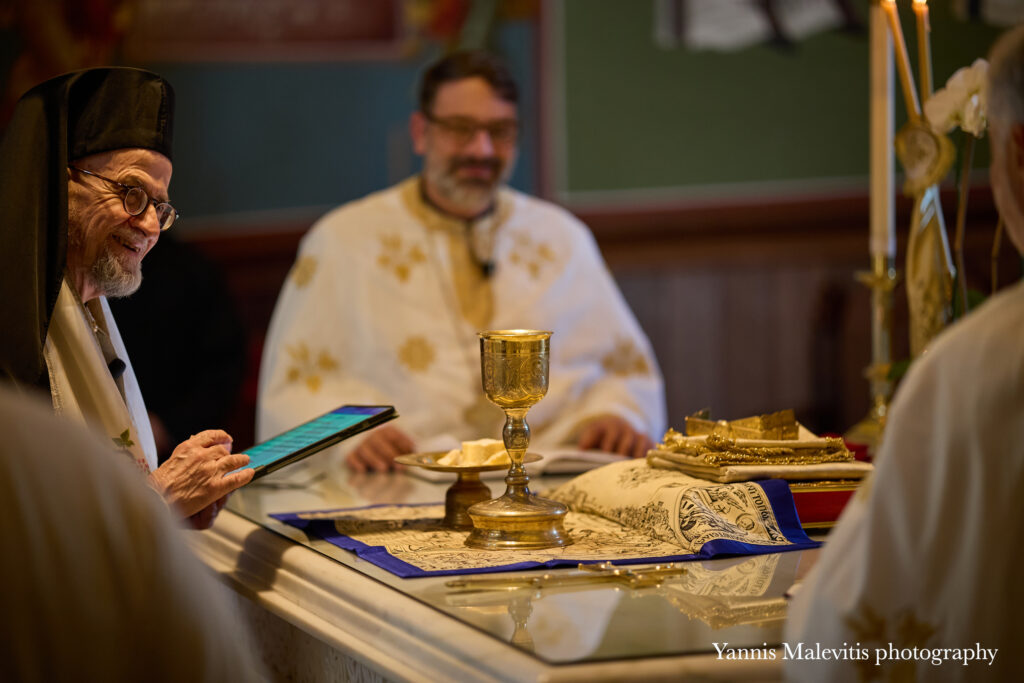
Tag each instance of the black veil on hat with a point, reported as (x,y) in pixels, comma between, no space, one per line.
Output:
(56,122)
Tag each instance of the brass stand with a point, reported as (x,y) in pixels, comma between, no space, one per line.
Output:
(465,492)
(882,280)
(514,371)
(467,489)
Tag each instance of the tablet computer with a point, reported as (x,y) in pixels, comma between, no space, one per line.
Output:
(314,436)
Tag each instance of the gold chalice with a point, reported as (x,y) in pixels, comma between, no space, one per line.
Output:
(514,371)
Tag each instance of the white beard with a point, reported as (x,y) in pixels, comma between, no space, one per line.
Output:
(111,277)
(471,197)
(107,274)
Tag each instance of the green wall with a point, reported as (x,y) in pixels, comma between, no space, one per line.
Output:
(639,116)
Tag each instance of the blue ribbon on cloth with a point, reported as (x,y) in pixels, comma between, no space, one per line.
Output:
(415,532)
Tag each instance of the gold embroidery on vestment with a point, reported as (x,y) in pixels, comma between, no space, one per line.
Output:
(305,368)
(303,270)
(473,289)
(124,439)
(718,451)
(398,258)
(533,257)
(626,359)
(905,631)
(417,354)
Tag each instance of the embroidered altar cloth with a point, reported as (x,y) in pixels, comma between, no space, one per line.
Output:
(678,518)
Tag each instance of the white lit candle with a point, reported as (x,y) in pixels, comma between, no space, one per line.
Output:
(882,241)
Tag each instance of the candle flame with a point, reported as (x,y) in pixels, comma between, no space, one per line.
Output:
(920,2)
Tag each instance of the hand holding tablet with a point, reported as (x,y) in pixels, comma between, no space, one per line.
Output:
(314,436)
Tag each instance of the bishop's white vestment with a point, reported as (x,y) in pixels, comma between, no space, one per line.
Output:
(81,342)
(929,553)
(386,298)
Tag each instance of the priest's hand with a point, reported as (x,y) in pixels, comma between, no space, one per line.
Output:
(613,434)
(193,478)
(379,449)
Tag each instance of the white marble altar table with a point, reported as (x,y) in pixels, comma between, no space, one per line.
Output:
(321,613)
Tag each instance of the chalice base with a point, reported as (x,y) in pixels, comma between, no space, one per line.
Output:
(518,522)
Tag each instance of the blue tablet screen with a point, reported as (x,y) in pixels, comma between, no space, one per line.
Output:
(311,432)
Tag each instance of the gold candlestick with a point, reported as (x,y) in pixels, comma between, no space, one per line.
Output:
(882,280)
(902,60)
(514,371)
(924,49)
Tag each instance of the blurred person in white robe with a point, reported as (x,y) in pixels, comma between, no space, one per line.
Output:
(388,293)
(924,564)
(98,584)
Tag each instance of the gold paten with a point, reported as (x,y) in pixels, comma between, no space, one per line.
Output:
(467,489)
(514,372)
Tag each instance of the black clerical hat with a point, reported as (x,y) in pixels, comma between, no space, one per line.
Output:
(53,124)
(114,108)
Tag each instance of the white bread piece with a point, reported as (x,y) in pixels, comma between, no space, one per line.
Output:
(477,452)
(499,458)
(451,459)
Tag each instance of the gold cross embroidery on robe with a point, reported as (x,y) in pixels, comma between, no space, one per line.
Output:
(399,258)
(904,630)
(534,257)
(626,359)
(303,270)
(306,368)
(124,439)
(473,289)
(124,442)
(417,354)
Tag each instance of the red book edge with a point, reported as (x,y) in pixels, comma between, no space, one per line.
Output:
(819,504)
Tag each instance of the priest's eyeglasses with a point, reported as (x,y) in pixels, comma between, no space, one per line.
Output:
(462,130)
(136,201)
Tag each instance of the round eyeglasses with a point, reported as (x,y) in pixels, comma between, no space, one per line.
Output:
(136,201)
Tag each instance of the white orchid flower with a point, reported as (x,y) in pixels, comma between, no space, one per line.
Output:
(963,102)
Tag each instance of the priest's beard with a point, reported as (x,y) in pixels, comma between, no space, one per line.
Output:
(471,195)
(107,274)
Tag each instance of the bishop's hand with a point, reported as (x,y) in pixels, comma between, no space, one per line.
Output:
(193,479)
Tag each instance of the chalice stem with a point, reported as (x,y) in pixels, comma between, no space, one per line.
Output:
(516,435)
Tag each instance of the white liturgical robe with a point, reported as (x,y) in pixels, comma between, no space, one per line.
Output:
(925,561)
(386,298)
(81,341)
